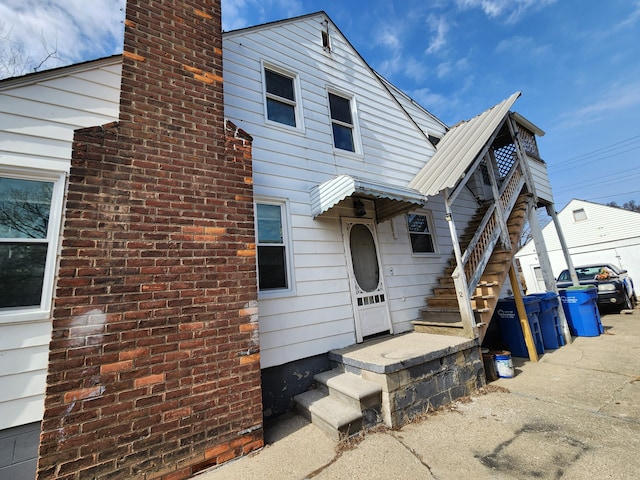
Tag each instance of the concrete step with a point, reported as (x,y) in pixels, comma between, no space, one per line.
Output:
(349,389)
(330,415)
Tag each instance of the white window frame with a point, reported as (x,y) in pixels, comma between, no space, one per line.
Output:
(42,311)
(357,141)
(579,215)
(286,242)
(429,217)
(297,103)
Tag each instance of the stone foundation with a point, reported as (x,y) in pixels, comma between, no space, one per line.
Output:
(417,372)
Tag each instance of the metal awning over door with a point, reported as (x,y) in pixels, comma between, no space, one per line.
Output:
(390,200)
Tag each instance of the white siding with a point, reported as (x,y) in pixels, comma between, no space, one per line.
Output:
(38,114)
(608,234)
(289,162)
(541,180)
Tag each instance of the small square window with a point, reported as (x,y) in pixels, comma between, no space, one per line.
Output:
(420,232)
(342,122)
(280,97)
(579,215)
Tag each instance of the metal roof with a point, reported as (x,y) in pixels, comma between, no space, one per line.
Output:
(390,200)
(459,148)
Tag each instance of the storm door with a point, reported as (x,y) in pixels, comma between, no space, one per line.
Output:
(369,298)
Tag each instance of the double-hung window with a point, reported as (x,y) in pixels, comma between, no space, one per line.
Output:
(280,93)
(421,233)
(271,232)
(342,122)
(29,221)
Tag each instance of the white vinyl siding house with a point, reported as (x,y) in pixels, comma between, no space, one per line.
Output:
(38,115)
(594,233)
(317,315)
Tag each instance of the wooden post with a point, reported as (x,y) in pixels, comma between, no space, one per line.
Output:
(522,314)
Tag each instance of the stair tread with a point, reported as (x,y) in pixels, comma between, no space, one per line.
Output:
(347,383)
(434,323)
(331,411)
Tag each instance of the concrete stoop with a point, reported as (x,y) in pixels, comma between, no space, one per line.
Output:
(391,381)
(342,404)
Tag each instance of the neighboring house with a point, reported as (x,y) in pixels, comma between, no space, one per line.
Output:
(363,201)
(594,233)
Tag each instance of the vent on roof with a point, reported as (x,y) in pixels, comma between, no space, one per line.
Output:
(434,140)
(326,39)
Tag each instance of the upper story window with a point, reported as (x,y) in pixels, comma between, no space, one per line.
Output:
(421,233)
(342,122)
(272,246)
(29,221)
(579,215)
(280,97)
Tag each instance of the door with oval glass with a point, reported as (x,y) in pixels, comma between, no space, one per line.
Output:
(369,298)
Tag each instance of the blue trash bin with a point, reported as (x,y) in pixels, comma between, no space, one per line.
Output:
(581,308)
(552,336)
(506,314)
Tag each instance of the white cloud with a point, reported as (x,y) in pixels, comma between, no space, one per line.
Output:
(243,13)
(513,10)
(76,30)
(611,103)
(440,28)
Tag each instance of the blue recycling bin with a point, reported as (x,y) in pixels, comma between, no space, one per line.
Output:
(506,314)
(581,308)
(552,336)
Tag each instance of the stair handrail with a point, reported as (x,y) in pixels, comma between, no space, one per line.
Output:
(476,256)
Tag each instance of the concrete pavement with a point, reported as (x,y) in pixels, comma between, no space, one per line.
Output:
(575,414)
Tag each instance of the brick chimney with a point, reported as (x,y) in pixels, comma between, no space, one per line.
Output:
(154,359)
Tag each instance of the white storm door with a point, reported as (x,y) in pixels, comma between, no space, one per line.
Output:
(369,298)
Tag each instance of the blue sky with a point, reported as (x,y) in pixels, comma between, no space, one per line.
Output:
(576,62)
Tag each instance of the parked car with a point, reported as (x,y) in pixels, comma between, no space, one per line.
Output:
(615,286)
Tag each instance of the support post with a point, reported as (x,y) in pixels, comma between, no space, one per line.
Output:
(563,244)
(460,281)
(547,270)
(522,314)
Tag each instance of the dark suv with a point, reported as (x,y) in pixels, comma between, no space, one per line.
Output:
(615,287)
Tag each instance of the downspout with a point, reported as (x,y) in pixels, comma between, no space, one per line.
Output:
(459,277)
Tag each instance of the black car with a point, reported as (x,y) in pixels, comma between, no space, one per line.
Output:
(615,287)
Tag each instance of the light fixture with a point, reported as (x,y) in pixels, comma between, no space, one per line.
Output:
(358,208)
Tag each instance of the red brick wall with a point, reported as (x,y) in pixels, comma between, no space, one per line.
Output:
(154,359)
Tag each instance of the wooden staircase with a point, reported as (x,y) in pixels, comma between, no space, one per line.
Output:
(442,314)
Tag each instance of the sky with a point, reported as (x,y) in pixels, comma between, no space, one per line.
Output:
(576,62)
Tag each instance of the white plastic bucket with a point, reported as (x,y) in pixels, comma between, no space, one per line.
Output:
(504,364)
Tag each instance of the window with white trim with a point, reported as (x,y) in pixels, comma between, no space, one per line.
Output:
(272,246)
(579,215)
(421,233)
(342,123)
(280,97)
(29,221)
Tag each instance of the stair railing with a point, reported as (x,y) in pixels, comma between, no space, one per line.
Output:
(476,256)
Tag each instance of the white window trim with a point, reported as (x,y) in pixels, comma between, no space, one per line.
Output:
(43,311)
(583,212)
(288,245)
(430,224)
(357,140)
(298,112)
